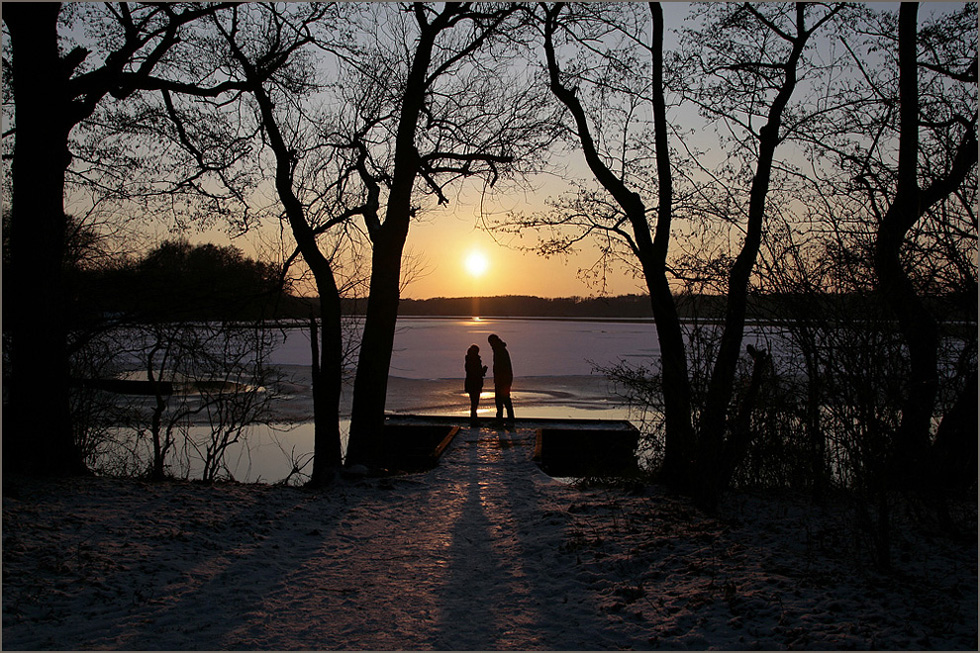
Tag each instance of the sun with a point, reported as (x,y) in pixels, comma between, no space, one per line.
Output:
(477,263)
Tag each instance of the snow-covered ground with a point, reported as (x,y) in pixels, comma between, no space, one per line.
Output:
(483,552)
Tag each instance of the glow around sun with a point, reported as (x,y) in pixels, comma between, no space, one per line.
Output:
(477,263)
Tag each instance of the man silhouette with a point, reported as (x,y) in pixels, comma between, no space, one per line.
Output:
(503,376)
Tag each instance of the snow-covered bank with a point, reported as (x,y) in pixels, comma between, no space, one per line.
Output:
(483,552)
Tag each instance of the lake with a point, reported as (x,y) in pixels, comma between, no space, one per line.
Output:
(433,348)
(554,364)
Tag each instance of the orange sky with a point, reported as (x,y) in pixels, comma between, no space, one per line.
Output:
(445,241)
(442,245)
(441,239)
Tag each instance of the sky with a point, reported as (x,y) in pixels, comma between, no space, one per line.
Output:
(446,243)
(442,244)
(443,241)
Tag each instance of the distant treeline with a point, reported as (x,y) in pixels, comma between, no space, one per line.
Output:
(178,281)
(711,307)
(635,306)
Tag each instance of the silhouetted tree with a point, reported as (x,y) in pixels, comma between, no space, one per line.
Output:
(772,70)
(244,87)
(207,383)
(741,69)
(314,208)
(910,204)
(179,281)
(649,246)
(54,92)
(440,106)
(372,149)
(905,225)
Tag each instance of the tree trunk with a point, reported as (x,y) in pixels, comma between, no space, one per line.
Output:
(38,424)
(679,445)
(815,437)
(919,328)
(738,443)
(377,343)
(917,325)
(374,359)
(328,370)
(955,449)
(327,382)
(714,421)
(158,469)
(650,250)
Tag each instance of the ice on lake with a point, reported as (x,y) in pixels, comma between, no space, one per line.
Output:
(554,361)
(433,348)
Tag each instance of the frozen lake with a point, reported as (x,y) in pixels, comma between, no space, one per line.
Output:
(554,364)
(433,348)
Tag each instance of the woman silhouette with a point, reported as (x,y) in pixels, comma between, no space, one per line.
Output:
(473,385)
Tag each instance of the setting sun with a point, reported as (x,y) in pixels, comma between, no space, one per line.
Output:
(477,263)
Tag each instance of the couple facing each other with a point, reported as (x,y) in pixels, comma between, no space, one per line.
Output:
(503,377)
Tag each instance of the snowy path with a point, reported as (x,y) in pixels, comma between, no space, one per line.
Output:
(484,552)
(465,557)
(434,565)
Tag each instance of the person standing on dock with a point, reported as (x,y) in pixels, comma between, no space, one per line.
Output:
(503,376)
(473,385)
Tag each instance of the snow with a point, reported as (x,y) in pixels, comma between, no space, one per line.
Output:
(482,552)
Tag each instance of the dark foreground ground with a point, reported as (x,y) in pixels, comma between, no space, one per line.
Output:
(483,552)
